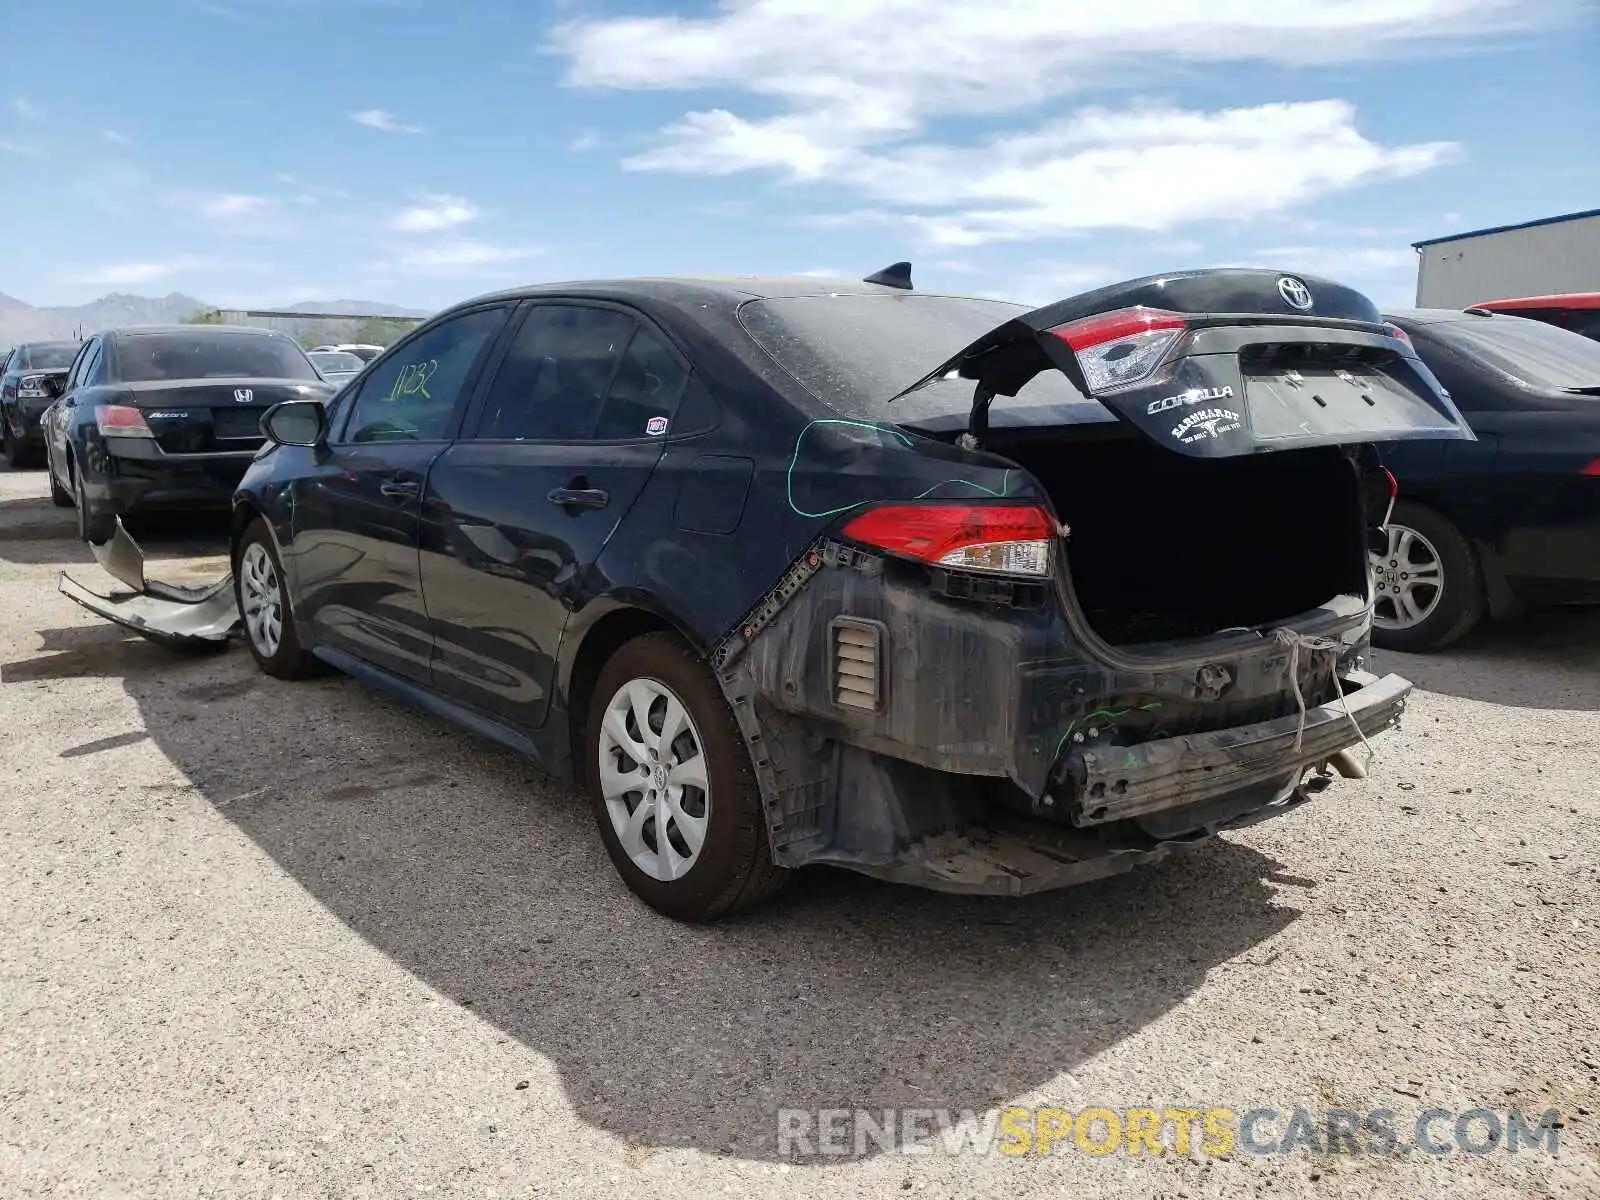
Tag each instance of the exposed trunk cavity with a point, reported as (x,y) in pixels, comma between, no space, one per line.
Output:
(1165,547)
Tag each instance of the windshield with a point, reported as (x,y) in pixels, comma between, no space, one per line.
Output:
(147,357)
(335,361)
(1540,355)
(47,356)
(854,352)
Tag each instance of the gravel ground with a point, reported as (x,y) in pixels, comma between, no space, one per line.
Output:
(269,939)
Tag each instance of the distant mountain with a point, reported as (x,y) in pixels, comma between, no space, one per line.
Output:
(22,322)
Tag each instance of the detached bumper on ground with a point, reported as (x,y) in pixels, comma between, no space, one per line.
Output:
(163,612)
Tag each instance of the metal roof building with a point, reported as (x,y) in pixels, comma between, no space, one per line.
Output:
(1535,258)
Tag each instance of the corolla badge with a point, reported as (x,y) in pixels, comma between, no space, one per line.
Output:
(243,395)
(1295,294)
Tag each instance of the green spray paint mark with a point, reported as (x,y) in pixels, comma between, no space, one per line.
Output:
(1110,714)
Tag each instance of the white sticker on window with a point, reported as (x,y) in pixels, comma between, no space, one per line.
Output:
(655,426)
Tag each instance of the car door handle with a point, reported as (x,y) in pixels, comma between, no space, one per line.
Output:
(579,497)
(401,489)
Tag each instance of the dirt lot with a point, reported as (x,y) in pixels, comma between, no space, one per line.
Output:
(264,939)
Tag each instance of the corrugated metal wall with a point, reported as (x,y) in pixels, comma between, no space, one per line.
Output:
(1560,257)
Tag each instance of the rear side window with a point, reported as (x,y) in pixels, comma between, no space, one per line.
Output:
(555,374)
(645,391)
(204,354)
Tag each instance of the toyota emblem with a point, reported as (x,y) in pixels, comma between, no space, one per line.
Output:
(1295,294)
(245,395)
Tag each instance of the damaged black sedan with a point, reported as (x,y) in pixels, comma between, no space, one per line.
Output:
(944,590)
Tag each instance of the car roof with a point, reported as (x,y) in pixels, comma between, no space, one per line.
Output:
(729,290)
(225,330)
(1436,316)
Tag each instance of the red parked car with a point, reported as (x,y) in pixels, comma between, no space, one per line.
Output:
(1579,312)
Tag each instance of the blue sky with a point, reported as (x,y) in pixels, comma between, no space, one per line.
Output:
(254,152)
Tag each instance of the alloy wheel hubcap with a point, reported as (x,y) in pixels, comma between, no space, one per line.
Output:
(263,599)
(653,778)
(1407,580)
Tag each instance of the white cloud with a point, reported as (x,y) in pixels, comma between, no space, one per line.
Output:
(855,85)
(128,273)
(435,213)
(22,148)
(462,255)
(1338,262)
(26,109)
(378,118)
(230,207)
(111,135)
(584,142)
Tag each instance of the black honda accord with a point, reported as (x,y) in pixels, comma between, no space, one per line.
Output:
(944,590)
(164,418)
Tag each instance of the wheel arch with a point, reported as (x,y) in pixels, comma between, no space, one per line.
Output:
(605,626)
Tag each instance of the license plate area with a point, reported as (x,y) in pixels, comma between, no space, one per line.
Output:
(1355,397)
(237,424)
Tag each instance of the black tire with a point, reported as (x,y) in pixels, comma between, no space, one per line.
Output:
(289,659)
(61,496)
(16,456)
(1462,599)
(95,524)
(734,871)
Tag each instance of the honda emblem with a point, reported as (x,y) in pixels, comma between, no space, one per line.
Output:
(243,395)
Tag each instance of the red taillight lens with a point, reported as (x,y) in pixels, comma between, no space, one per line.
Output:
(1394,484)
(1592,470)
(1396,332)
(1005,539)
(1119,349)
(121,420)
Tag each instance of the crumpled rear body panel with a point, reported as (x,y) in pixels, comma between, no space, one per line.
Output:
(961,779)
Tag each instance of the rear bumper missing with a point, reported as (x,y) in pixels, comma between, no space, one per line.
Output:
(1113,783)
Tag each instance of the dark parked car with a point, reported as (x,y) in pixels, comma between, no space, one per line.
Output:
(161,418)
(26,377)
(1512,519)
(1579,312)
(796,572)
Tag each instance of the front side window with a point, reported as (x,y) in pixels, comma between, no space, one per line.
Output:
(555,374)
(412,395)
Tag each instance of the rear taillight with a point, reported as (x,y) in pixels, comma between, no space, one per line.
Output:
(121,420)
(1396,332)
(1592,470)
(31,387)
(1119,349)
(1005,539)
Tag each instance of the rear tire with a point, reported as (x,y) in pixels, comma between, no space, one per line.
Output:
(1460,601)
(95,524)
(262,596)
(16,456)
(690,839)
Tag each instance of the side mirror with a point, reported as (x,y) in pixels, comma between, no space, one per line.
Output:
(296,423)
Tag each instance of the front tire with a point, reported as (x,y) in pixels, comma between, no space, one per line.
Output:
(263,601)
(1428,589)
(672,788)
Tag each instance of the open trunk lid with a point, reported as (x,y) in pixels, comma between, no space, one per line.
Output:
(1220,363)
